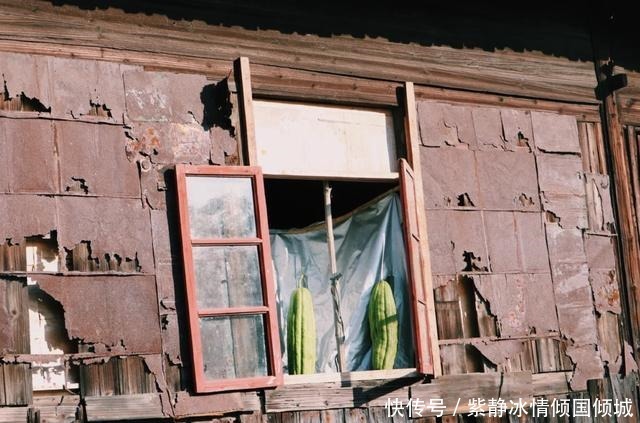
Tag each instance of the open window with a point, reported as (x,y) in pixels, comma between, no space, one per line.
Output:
(227,266)
(306,151)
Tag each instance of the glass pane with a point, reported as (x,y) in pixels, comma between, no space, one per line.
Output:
(233,346)
(221,207)
(227,276)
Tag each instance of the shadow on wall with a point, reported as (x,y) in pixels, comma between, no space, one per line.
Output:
(557,29)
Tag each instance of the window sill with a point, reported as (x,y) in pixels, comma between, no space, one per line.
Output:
(348,377)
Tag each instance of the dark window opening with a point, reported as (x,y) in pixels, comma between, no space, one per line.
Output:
(299,203)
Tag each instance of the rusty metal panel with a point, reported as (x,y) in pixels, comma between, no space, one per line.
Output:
(600,251)
(600,209)
(123,310)
(170,143)
(602,272)
(164,97)
(440,248)
(433,130)
(459,243)
(588,365)
(449,178)
(81,86)
(445,124)
(92,157)
(216,404)
(522,303)
(502,242)
(18,217)
(222,145)
(563,190)
(532,242)
(561,174)
(508,180)
(27,156)
(540,303)
(517,128)
(112,225)
(488,127)
(28,74)
(555,133)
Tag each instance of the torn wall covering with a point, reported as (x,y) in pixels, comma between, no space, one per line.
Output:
(510,208)
(94,165)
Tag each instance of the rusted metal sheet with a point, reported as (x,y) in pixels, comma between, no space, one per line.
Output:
(561,174)
(588,365)
(27,158)
(113,225)
(164,97)
(565,246)
(123,310)
(488,127)
(433,130)
(521,302)
(166,249)
(532,242)
(599,206)
(449,177)
(171,143)
(508,180)
(600,251)
(459,243)
(604,284)
(94,155)
(28,74)
(80,87)
(216,404)
(502,242)
(517,129)
(498,352)
(461,119)
(555,133)
(152,183)
(18,217)
(440,247)
(540,303)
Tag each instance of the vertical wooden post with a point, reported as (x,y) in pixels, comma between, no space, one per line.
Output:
(242,75)
(628,229)
(335,279)
(412,141)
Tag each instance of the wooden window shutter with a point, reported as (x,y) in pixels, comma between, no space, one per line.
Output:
(424,363)
(228,275)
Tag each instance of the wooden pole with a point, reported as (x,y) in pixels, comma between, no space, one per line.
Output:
(623,183)
(335,279)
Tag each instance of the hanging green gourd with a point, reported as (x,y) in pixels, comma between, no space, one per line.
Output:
(383,326)
(301,332)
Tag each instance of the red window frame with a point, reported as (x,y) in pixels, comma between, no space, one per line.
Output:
(268,309)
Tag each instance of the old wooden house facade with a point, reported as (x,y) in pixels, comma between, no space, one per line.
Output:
(156,154)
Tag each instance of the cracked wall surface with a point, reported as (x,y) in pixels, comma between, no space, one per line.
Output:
(87,151)
(540,228)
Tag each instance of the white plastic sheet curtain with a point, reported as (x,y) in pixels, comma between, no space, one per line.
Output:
(370,247)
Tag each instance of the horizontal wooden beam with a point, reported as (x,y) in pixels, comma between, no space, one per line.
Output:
(298,398)
(453,389)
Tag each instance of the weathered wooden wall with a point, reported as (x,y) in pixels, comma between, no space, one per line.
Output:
(87,152)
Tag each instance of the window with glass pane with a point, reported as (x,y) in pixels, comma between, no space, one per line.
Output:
(231,304)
